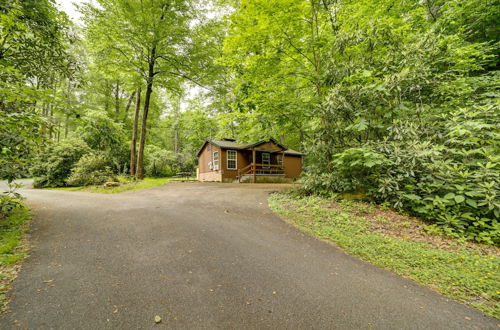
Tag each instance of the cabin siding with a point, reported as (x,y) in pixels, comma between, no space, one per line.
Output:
(241,162)
(293,166)
(205,173)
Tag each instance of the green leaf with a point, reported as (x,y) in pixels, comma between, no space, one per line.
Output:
(449,196)
(472,203)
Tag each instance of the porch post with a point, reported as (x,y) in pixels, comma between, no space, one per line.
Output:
(254,167)
(283,162)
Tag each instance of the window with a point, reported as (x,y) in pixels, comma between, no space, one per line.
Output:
(231,160)
(215,160)
(279,159)
(266,159)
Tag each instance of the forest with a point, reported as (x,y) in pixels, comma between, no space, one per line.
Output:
(393,101)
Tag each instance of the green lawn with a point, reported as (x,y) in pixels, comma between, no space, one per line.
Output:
(463,271)
(126,185)
(12,249)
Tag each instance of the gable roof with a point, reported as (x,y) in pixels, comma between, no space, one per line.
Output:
(231,144)
(265,141)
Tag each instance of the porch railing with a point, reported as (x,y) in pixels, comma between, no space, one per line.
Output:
(261,169)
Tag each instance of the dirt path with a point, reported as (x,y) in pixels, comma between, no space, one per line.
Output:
(203,256)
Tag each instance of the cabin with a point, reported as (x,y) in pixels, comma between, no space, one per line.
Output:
(228,161)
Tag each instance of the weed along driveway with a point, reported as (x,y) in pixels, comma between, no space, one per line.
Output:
(203,256)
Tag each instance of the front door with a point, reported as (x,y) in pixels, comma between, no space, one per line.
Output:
(266,159)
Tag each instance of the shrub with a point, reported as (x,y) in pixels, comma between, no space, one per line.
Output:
(53,165)
(461,185)
(8,205)
(451,179)
(101,133)
(159,162)
(91,169)
(10,200)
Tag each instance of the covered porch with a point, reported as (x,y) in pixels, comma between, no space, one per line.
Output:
(262,162)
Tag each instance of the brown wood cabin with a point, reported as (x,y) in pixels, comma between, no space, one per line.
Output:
(227,161)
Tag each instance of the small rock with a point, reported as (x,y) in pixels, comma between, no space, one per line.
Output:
(157,319)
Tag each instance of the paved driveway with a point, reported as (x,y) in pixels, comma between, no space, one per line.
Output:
(203,256)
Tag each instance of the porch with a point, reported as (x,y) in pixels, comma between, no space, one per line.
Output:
(262,163)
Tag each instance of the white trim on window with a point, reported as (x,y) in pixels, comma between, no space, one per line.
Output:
(234,158)
(215,160)
(267,161)
(279,159)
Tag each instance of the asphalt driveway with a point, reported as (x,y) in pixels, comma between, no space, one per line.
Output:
(203,256)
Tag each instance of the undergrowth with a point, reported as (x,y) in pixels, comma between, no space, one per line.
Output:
(12,249)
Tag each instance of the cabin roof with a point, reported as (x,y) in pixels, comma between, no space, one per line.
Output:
(293,152)
(232,144)
(227,144)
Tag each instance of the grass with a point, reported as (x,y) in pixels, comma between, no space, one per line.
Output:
(465,272)
(125,186)
(12,249)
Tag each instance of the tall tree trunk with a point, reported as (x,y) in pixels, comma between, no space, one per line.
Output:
(66,126)
(51,121)
(108,91)
(142,142)
(176,140)
(117,97)
(129,103)
(69,105)
(149,91)
(133,144)
(44,126)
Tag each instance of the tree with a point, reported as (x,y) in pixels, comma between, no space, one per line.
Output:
(33,55)
(380,91)
(277,61)
(146,37)
(133,143)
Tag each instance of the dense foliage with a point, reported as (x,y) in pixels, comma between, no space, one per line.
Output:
(59,83)
(10,200)
(33,55)
(53,166)
(91,169)
(160,162)
(395,101)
